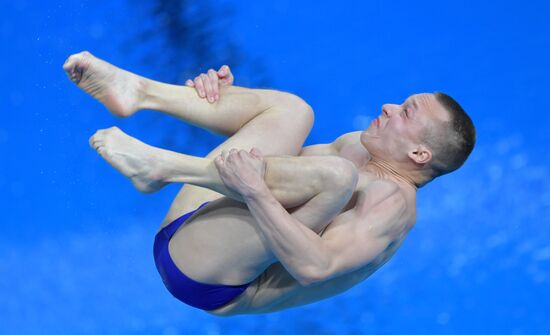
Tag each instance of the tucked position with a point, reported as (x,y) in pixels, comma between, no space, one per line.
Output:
(263,223)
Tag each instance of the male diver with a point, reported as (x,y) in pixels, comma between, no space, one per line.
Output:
(262,223)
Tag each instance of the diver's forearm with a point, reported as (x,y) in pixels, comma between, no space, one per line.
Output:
(301,251)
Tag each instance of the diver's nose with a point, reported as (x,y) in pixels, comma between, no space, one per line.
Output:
(388,109)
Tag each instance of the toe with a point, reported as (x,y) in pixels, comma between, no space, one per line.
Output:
(76,64)
(113,129)
(91,141)
(96,138)
(102,132)
(96,144)
(72,70)
(69,63)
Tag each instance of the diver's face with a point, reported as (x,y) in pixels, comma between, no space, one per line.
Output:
(401,128)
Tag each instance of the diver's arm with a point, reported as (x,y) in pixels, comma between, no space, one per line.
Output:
(312,259)
(308,257)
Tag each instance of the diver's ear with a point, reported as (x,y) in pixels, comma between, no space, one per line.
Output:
(421,155)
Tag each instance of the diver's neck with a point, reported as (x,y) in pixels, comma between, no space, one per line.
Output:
(385,170)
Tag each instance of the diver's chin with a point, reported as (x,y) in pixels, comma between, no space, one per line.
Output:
(365,139)
(367,135)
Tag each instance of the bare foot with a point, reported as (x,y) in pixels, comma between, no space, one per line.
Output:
(119,90)
(136,160)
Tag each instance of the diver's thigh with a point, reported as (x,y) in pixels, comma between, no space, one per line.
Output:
(189,198)
(220,244)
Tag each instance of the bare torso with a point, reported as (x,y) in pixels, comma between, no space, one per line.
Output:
(275,289)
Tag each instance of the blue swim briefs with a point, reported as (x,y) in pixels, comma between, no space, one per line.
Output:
(204,296)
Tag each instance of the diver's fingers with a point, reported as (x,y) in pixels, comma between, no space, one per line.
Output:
(226,77)
(207,86)
(199,86)
(213,77)
(256,153)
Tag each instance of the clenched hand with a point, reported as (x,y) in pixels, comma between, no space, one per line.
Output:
(242,171)
(208,84)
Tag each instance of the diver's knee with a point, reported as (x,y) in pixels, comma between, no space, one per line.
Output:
(299,108)
(341,174)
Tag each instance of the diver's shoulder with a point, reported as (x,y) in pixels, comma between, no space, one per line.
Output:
(369,182)
(390,202)
(373,191)
(347,138)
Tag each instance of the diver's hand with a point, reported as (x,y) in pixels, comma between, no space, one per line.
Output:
(242,171)
(208,84)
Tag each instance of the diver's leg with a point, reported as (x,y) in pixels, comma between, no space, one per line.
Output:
(277,123)
(279,131)
(292,180)
(124,93)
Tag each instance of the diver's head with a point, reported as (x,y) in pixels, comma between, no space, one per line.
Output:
(428,135)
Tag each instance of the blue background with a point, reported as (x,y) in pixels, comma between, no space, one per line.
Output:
(76,238)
